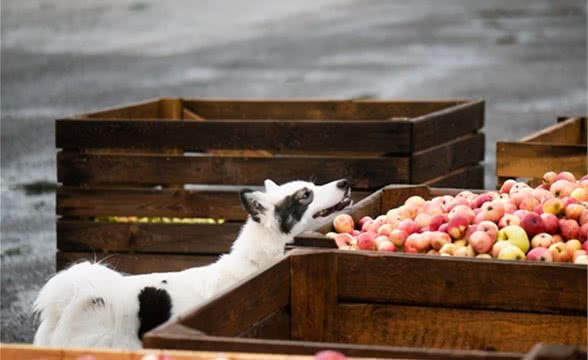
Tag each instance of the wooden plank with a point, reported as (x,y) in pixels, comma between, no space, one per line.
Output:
(447,124)
(445,158)
(312,314)
(532,160)
(461,282)
(29,352)
(201,239)
(316,109)
(470,177)
(447,328)
(136,263)
(213,203)
(246,303)
(275,326)
(387,136)
(144,110)
(176,336)
(365,173)
(571,131)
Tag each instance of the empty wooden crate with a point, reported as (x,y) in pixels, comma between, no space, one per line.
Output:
(369,304)
(187,159)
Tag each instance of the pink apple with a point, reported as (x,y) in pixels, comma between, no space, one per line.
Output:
(532,224)
(381,238)
(366,241)
(518,186)
(438,239)
(457,201)
(355,232)
(540,254)
(566,175)
(438,220)
(409,226)
(509,206)
(583,233)
(364,219)
(386,246)
(470,230)
(574,211)
(562,188)
(538,209)
(462,210)
(385,229)
(444,227)
(550,222)
(343,223)
(423,220)
(480,200)
(584,217)
(489,228)
(413,243)
(542,195)
(397,237)
(493,210)
(433,208)
(481,242)
(407,212)
(541,240)
(585,246)
(507,185)
(578,253)
(343,240)
(570,229)
(521,213)
(549,178)
(521,195)
(415,202)
(457,227)
(529,203)
(510,219)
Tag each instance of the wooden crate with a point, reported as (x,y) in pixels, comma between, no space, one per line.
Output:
(559,147)
(377,305)
(152,160)
(29,352)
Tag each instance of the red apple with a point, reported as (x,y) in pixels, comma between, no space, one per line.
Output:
(409,226)
(489,228)
(570,229)
(366,241)
(550,222)
(437,221)
(457,227)
(364,219)
(481,242)
(540,254)
(480,200)
(583,233)
(532,224)
(507,185)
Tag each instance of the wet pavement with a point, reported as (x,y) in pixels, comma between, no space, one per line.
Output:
(527,59)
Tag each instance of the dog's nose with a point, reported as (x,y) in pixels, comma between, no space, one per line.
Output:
(344,184)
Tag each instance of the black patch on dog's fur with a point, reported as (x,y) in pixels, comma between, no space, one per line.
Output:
(154,309)
(290,210)
(98,301)
(253,207)
(164,281)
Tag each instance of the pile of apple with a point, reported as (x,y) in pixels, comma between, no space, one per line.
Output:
(546,223)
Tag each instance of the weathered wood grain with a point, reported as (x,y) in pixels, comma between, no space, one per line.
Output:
(470,177)
(571,131)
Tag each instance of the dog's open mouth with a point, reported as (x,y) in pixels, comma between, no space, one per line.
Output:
(337,207)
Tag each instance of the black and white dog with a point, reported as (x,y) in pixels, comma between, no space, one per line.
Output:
(91,305)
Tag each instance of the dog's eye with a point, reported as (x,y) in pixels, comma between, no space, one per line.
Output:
(306,194)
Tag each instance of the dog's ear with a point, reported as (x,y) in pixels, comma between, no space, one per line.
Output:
(270,186)
(252,203)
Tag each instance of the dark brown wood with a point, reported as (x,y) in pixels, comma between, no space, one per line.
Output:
(248,302)
(150,109)
(176,336)
(275,326)
(313,316)
(390,136)
(556,352)
(136,263)
(447,124)
(462,282)
(471,177)
(449,328)
(453,155)
(569,131)
(73,168)
(201,239)
(207,203)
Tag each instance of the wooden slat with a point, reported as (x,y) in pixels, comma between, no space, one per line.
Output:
(571,131)
(176,336)
(443,159)
(316,109)
(447,124)
(312,315)
(461,282)
(218,204)
(275,326)
(149,109)
(515,159)
(202,239)
(470,177)
(73,168)
(136,263)
(449,328)
(246,303)
(389,136)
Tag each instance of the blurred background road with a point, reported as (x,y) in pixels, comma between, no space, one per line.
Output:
(527,59)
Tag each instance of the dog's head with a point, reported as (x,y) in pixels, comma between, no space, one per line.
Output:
(292,207)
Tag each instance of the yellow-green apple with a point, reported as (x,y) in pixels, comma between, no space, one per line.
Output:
(553,206)
(541,240)
(343,223)
(438,239)
(481,242)
(551,223)
(457,227)
(574,211)
(448,249)
(397,237)
(580,194)
(510,219)
(560,252)
(493,210)
(569,228)
(465,251)
(499,245)
(507,185)
(532,224)
(460,243)
(540,254)
(515,235)
(366,241)
(573,245)
(511,253)
(549,178)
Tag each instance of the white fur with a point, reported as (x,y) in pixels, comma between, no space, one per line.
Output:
(70,316)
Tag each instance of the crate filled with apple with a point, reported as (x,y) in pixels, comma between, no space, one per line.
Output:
(548,223)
